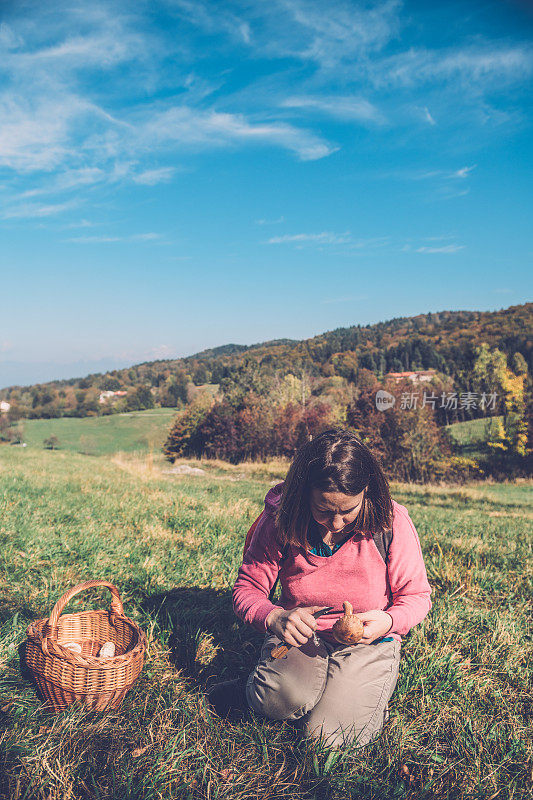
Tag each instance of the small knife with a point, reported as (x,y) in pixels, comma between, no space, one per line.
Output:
(281,650)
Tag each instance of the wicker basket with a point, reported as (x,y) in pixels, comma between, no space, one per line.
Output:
(62,676)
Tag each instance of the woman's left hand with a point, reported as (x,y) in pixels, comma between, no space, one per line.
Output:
(376,624)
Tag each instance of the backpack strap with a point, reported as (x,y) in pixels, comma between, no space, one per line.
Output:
(382,541)
(284,555)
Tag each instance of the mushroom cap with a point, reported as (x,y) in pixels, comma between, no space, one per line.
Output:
(349,628)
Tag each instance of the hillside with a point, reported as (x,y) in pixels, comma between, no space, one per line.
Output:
(444,341)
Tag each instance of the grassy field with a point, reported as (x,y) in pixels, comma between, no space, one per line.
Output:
(137,431)
(144,431)
(469,437)
(172,544)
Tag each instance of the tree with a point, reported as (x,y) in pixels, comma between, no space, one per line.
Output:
(200,375)
(408,441)
(140,399)
(52,443)
(180,438)
(492,374)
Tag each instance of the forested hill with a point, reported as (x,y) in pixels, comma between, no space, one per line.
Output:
(444,341)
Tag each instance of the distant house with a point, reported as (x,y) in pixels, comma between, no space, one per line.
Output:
(416,376)
(4,406)
(107,395)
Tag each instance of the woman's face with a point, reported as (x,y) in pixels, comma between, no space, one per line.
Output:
(334,510)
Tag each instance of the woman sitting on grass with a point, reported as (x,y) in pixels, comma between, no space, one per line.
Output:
(320,534)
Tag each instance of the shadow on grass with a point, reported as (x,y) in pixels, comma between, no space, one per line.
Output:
(17,609)
(206,640)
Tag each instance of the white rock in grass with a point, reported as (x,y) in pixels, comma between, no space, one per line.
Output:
(185,469)
(107,650)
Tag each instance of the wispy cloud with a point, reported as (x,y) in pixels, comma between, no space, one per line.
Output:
(326,237)
(137,237)
(346,32)
(184,127)
(151,177)
(474,64)
(447,249)
(300,29)
(464,172)
(428,116)
(277,221)
(36,210)
(345,108)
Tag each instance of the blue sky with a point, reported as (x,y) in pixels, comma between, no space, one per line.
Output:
(179,174)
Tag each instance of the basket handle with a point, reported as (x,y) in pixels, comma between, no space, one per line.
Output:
(117,609)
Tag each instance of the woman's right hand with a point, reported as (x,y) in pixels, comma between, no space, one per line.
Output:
(294,626)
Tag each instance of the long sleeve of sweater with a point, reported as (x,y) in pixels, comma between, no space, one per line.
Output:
(257,575)
(407,575)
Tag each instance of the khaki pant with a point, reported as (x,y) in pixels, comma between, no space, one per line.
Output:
(339,692)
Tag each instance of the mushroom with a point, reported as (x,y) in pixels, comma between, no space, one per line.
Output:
(107,650)
(348,629)
(74,647)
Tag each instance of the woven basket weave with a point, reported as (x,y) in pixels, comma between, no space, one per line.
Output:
(64,677)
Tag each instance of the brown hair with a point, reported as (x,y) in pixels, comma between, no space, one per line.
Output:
(335,461)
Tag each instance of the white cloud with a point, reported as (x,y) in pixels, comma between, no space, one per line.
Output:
(9,40)
(277,221)
(150,177)
(428,117)
(300,28)
(444,249)
(36,210)
(162,351)
(475,64)
(68,180)
(82,223)
(184,127)
(464,172)
(347,31)
(137,237)
(346,108)
(326,237)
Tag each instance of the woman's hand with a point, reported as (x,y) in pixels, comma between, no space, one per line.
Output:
(294,626)
(376,624)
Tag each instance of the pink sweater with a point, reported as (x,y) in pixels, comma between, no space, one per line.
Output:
(356,572)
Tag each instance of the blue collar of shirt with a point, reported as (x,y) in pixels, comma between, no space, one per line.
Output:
(318,547)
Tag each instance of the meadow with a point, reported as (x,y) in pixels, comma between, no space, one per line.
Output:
(460,723)
(135,431)
(145,431)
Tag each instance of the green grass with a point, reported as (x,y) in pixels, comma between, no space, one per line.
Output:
(469,437)
(138,431)
(470,432)
(172,544)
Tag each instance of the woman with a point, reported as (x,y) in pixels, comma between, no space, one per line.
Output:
(320,534)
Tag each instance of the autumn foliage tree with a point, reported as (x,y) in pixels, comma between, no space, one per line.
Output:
(408,441)
(251,429)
